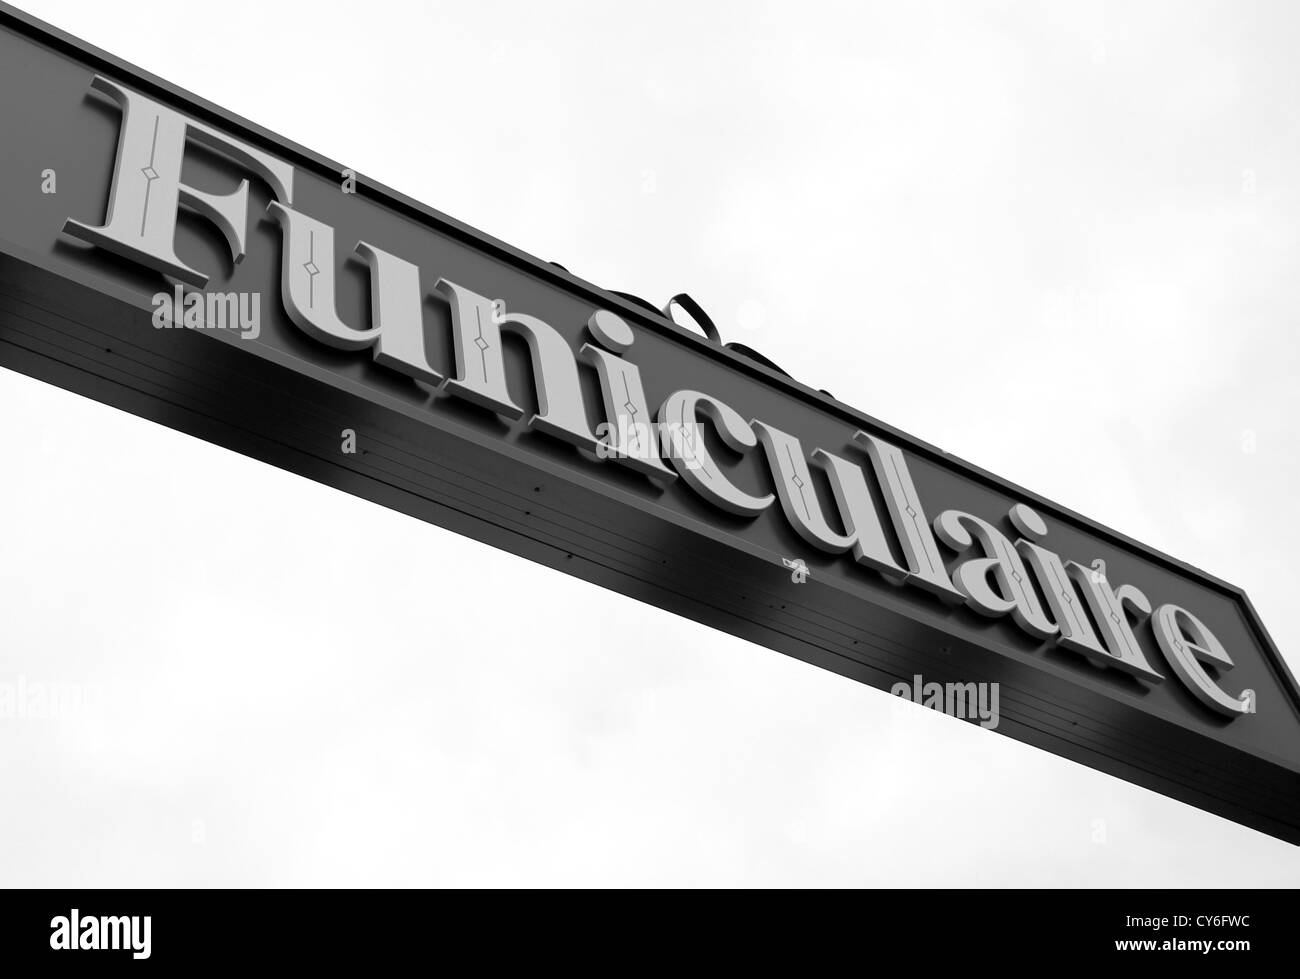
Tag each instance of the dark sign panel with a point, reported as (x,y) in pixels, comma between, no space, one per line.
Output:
(162,256)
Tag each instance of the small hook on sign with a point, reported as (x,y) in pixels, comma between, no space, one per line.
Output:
(696,312)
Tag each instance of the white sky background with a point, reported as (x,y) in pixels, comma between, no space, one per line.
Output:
(1059,241)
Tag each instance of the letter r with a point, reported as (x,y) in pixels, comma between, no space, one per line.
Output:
(147,191)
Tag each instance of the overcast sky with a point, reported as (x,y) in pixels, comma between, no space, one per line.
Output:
(1079,218)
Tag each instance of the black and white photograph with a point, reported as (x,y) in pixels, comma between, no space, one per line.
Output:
(693,446)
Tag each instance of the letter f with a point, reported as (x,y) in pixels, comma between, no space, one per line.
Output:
(147,191)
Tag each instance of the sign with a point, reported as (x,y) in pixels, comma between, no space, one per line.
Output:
(192,268)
